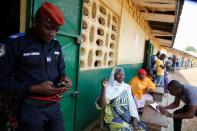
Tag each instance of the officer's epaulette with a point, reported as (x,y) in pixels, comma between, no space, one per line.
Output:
(16,35)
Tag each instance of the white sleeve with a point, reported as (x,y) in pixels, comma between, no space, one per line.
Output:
(132,105)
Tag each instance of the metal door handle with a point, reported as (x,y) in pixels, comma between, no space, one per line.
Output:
(75,93)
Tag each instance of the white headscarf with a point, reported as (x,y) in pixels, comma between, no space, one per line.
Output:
(114,89)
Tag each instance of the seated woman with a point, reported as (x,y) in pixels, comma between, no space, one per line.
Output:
(117,101)
(140,86)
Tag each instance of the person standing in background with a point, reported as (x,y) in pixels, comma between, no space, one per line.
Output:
(160,70)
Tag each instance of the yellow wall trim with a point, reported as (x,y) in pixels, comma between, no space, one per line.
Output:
(23,15)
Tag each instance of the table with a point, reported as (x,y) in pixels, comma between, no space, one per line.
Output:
(153,118)
(157,94)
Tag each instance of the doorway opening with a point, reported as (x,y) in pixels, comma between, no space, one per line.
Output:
(10,18)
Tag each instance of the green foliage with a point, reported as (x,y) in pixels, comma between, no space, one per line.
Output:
(190,48)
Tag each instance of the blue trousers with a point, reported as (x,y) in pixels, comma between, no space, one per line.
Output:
(159,80)
(40,118)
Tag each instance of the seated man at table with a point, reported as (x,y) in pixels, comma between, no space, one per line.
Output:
(140,86)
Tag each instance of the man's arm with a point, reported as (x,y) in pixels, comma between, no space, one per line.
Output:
(189,114)
(150,84)
(173,105)
(8,82)
(162,66)
(7,70)
(160,63)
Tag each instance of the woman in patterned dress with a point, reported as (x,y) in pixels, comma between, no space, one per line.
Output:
(117,102)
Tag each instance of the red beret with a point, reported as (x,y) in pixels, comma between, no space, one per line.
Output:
(53,12)
(142,71)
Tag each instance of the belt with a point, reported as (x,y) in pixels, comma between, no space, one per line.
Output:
(39,102)
(50,98)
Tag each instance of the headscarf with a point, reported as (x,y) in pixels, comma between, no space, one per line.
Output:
(114,89)
(142,71)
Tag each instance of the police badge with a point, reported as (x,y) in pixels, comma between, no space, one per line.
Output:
(2,50)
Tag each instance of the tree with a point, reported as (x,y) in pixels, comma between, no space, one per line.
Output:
(190,48)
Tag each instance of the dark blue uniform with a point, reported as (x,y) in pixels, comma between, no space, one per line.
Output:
(25,60)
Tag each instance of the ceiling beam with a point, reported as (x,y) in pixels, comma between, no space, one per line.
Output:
(162,34)
(163,41)
(163,6)
(158,17)
(169,46)
(157,5)
(166,44)
(155,1)
(159,32)
(144,9)
(160,1)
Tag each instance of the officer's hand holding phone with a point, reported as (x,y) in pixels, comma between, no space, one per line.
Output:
(45,88)
(66,84)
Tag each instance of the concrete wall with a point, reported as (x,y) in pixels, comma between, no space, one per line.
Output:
(131,36)
(131,39)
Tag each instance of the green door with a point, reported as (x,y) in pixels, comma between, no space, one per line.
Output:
(67,37)
(148,54)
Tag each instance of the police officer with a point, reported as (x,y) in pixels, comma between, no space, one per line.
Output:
(32,65)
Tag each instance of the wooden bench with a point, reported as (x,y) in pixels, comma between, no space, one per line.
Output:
(157,94)
(154,119)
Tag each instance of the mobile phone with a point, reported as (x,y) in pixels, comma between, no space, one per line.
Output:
(59,85)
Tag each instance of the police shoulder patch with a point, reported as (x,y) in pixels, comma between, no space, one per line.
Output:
(2,50)
(16,35)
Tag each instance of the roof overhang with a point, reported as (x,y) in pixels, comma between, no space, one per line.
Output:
(187,53)
(163,18)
